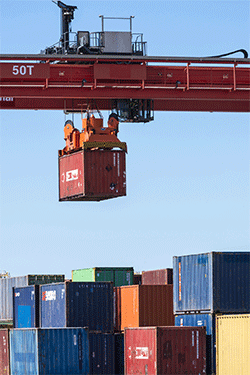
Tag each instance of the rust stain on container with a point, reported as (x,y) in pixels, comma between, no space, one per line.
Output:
(158,277)
(92,175)
(144,305)
(165,350)
(4,352)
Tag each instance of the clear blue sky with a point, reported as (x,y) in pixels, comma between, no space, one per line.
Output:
(188,179)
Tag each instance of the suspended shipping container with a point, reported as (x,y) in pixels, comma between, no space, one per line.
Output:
(158,277)
(6,293)
(35,351)
(118,275)
(216,282)
(233,344)
(165,350)
(26,307)
(202,320)
(102,353)
(77,304)
(143,305)
(4,352)
(92,175)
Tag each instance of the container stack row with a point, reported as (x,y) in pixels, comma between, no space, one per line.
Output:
(192,319)
(211,289)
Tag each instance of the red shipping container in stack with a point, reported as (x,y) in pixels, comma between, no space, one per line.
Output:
(142,306)
(158,277)
(92,175)
(4,352)
(165,350)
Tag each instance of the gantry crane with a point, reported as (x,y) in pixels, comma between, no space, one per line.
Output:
(92,72)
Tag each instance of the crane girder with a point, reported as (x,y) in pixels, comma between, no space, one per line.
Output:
(74,83)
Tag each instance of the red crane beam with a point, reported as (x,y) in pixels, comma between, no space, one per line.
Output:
(73,83)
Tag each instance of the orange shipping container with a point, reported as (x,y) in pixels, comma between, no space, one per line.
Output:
(145,305)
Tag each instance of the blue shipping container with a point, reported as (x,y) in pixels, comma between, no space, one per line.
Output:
(77,304)
(202,320)
(7,285)
(26,307)
(63,351)
(102,348)
(216,282)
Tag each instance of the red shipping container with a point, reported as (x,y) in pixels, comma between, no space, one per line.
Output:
(92,175)
(4,352)
(142,306)
(165,350)
(158,277)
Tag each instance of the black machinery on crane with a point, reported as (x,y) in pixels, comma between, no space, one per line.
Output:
(118,43)
(103,42)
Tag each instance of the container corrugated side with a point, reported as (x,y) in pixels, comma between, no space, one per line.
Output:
(202,320)
(26,307)
(4,352)
(6,294)
(77,304)
(92,175)
(118,275)
(165,350)
(102,353)
(119,353)
(146,305)
(233,344)
(216,282)
(158,277)
(61,351)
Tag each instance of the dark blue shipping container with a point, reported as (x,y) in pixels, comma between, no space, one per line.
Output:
(119,353)
(77,304)
(26,307)
(216,282)
(202,320)
(36,351)
(102,348)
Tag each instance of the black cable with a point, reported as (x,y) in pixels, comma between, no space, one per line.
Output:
(231,53)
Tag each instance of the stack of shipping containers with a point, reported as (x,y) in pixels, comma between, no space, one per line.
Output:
(100,323)
(208,286)
(24,315)
(119,276)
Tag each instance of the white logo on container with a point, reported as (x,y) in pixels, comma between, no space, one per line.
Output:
(141,353)
(72,175)
(49,295)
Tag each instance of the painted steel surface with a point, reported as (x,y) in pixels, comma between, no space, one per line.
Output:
(202,320)
(26,307)
(118,275)
(102,353)
(92,175)
(4,352)
(63,351)
(216,282)
(6,293)
(119,353)
(145,305)
(165,350)
(158,277)
(77,304)
(233,344)
(201,88)
(137,279)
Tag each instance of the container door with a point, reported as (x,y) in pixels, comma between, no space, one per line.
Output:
(23,352)
(71,175)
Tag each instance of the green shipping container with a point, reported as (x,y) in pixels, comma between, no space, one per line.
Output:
(118,275)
